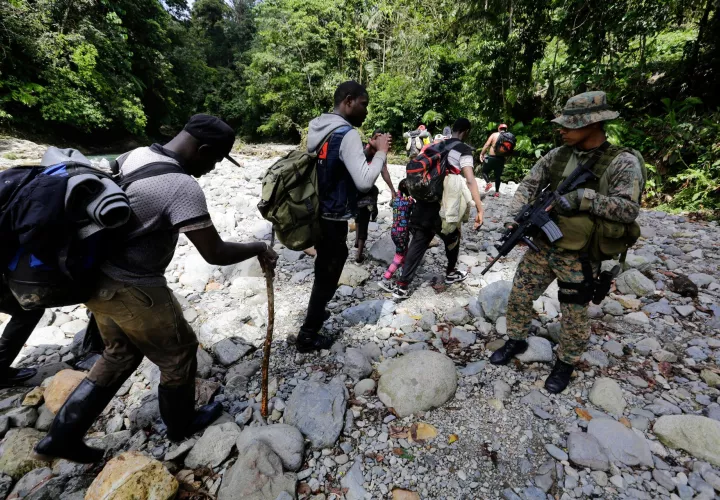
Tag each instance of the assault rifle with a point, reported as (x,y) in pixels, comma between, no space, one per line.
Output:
(535,216)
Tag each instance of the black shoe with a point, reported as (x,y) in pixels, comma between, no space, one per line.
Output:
(16,376)
(177,409)
(559,378)
(313,342)
(65,439)
(507,352)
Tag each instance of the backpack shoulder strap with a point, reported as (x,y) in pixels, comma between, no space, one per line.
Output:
(342,129)
(150,170)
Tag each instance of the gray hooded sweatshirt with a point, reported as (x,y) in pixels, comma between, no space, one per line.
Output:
(352,154)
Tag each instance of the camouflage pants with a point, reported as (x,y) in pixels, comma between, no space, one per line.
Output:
(536,271)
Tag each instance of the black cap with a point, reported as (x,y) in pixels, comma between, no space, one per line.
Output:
(214,132)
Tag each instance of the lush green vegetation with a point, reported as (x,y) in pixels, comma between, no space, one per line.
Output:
(98,70)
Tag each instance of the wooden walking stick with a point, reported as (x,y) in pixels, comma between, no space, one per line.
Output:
(269,273)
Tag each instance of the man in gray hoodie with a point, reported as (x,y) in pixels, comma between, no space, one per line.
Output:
(343,172)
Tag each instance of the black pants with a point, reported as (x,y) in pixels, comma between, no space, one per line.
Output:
(362,222)
(17,331)
(332,252)
(420,242)
(495,164)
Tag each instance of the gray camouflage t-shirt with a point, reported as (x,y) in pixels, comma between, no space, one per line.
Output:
(165,206)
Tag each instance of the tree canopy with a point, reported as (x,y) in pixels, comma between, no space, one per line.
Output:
(97,70)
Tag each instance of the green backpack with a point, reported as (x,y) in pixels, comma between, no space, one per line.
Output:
(290,198)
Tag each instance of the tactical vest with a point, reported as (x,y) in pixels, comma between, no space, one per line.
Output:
(338,193)
(601,239)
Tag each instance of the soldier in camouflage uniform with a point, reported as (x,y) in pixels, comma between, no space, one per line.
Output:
(594,221)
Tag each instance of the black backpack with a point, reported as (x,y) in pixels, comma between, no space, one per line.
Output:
(505,144)
(44,261)
(426,172)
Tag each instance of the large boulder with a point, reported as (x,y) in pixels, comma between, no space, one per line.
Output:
(133,475)
(318,411)
(228,324)
(418,381)
(16,457)
(620,444)
(607,394)
(353,275)
(699,436)
(585,451)
(285,441)
(539,350)
(357,365)
(30,482)
(634,282)
(368,312)
(230,350)
(60,387)
(353,481)
(494,298)
(257,475)
(214,446)
(383,250)
(48,335)
(145,412)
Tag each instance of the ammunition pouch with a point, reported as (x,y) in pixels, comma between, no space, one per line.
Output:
(612,238)
(577,231)
(602,239)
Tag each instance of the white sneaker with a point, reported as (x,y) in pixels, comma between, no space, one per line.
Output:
(386,285)
(455,276)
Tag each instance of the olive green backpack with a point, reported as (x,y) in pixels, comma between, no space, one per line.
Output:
(290,198)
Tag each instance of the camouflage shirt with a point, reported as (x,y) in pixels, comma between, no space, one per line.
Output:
(624,177)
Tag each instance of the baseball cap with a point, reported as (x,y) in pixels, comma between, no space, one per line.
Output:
(214,132)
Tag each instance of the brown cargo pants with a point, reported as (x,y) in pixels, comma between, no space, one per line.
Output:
(139,321)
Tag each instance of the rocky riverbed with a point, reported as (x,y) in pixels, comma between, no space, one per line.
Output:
(405,405)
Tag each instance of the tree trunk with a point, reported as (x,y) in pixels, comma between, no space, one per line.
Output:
(701,33)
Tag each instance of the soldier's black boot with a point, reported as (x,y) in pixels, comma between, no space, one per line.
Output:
(559,378)
(65,439)
(177,409)
(507,352)
(311,342)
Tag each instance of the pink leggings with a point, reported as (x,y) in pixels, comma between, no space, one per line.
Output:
(396,263)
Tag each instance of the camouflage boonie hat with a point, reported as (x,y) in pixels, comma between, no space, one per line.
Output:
(584,109)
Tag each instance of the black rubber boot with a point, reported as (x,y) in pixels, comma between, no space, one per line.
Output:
(177,409)
(16,376)
(16,333)
(559,378)
(65,439)
(512,347)
(311,342)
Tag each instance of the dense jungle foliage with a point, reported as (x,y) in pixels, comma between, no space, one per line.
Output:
(99,70)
